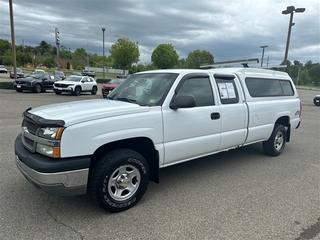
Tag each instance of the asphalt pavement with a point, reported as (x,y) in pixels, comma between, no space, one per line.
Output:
(241,194)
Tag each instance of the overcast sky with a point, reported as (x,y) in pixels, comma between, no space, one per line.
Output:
(229,29)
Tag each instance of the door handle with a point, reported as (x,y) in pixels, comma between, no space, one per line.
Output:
(215,115)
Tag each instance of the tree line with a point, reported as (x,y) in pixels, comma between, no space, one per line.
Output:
(124,54)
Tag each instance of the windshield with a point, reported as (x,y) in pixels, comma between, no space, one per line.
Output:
(35,75)
(147,89)
(73,79)
(116,81)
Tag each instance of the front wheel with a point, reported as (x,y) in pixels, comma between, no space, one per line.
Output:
(119,180)
(38,88)
(277,141)
(77,91)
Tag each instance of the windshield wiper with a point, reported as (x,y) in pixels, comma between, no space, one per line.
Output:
(126,99)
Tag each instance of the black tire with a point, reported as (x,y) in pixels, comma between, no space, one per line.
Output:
(94,90)
(119,180)
(277,141)
(38,88)
(77,91)
(57,92)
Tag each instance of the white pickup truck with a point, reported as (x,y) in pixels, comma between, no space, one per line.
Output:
(112,147)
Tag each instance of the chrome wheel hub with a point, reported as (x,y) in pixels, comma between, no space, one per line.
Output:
(124,182)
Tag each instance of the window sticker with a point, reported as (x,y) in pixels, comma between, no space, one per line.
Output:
(226,90)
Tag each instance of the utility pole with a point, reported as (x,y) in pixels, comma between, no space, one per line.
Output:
(103,29)
(263,47)
(13,41)
(290,10)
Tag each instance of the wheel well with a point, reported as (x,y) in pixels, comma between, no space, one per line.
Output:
(285,121)
(142,145)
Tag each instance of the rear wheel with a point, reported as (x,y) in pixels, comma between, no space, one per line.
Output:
(77,91)
(119,180)
(277,141)
(94,90)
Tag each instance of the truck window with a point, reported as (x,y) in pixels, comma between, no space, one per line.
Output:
(259,87)
(227,90)
(200,88)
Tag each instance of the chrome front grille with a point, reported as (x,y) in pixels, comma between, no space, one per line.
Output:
(61,85)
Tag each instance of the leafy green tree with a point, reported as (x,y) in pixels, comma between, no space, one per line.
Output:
(314,74)
(308,64)
(82,53)
(198,57)
(304,78)
(164,56)
(44,47)
(124,53)
(49,62)
(5,45)
(182,63)
(7,60)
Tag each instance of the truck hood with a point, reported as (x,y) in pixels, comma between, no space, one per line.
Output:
(85,110)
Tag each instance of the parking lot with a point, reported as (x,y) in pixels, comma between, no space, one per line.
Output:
(240,194)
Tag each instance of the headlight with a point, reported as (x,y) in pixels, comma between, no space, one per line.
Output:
(51,132)
(49,151)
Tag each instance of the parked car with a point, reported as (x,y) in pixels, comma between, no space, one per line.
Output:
(108,87)
(76,85)
(3,69)
(77,73)
(38,71)
(36,82)
(316,100)
(122,75)
(88,73)
(60,74)
(20,73)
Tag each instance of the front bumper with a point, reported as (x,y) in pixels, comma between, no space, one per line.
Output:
(57,177)
(60,89)
(23,87)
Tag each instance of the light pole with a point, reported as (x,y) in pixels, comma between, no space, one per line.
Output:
(13,44)
(290,9)
(137,58)
(263,47)
(103,30)
(57,34)
(69,59)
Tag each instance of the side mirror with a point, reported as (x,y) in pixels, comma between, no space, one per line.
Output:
(183,101)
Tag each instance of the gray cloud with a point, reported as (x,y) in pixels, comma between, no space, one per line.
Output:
(232,30)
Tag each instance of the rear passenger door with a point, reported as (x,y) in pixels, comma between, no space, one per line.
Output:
(192,132)
(86,85)
(234,111)
(47,81)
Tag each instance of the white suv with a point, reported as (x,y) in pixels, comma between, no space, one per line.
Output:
(76,85)
(3,69)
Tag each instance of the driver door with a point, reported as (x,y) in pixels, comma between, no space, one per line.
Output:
(195,131)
